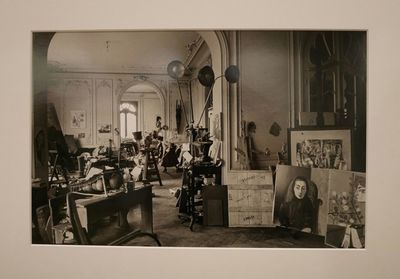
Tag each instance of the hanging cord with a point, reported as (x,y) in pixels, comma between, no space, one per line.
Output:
(206,102)
(183,103)
(191,103)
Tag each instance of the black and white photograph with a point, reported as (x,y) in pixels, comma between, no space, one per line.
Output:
(201,140)
(147,172)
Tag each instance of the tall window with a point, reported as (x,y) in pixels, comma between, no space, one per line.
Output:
(128,118)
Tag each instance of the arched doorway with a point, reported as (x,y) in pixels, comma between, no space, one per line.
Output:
(137,106)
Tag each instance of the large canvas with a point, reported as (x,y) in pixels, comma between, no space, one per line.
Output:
(320,177)
(346,216)
(301,209)
(329,149)
(332,204)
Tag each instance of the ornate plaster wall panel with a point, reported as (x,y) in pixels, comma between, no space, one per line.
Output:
(103,111)
(78,109)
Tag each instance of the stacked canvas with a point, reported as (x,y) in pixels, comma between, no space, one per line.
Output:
(326,202)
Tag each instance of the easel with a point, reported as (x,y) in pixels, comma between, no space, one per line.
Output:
(150,162)
(57,169)
(58,149)
(150,166)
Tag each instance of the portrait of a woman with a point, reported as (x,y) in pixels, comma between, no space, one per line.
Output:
(297,209)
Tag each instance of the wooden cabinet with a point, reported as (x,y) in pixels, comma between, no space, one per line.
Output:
(215,205)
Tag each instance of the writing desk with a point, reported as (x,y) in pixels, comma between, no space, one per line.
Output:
(95,208)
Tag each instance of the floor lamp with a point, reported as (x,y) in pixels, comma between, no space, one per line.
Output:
(206,77)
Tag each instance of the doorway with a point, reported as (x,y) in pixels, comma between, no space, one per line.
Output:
(140,105)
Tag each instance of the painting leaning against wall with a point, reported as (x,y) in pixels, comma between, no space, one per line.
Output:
(330,149)
(346,215)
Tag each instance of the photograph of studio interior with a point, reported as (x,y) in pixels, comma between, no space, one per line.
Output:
(235,138)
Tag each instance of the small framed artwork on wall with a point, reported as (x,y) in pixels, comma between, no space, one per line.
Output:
(321,148)
(78,119)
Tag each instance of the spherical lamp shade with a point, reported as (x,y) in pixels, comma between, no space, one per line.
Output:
(232,74)
(176,69)
(206,76)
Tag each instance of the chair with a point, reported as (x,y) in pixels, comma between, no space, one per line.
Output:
(81,235)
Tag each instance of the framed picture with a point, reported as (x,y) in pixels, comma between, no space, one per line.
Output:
(346,210)
(104,128)
(321,148)
(78,119)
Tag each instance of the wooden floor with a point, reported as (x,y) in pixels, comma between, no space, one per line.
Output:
(173,233)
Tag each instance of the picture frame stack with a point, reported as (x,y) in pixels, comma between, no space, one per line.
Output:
(318,192)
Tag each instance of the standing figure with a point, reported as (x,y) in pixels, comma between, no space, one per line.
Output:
(158,124)
(251,149)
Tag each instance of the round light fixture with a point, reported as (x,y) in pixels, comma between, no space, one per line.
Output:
(206,76)
(176,69)
(232,74)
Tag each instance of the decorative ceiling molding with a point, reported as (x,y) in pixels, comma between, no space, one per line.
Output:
(142,70)
(78,83)
(121,83)
(147,69)
(56,67)
(103,83)
(120,52)
(140,78)
(192,49)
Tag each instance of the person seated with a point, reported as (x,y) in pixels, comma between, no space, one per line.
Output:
(297,210)
(170,158)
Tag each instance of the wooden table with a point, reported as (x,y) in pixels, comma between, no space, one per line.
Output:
(95,208)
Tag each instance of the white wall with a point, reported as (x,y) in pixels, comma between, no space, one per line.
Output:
(99,95)
(264,84)
(199,60)
(149,106)
(264,88)
(198,98)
